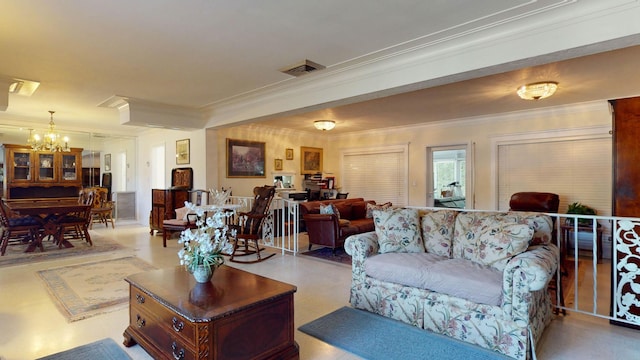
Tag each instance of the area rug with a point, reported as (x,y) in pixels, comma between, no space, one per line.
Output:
(105,349)
(84,290)
(325,253)
(376,337)
(15,254)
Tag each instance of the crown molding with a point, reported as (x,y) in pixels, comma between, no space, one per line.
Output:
(452,55)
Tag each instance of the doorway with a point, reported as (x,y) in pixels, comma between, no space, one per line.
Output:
(448,177)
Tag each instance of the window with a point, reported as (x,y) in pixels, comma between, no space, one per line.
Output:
(577,169)
(378,174)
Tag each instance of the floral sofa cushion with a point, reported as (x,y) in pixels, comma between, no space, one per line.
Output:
(372,207)
(437,230)
(398,230)
(542,225)
(498,243)
(490,238)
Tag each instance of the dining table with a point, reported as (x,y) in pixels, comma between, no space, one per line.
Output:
(49,213)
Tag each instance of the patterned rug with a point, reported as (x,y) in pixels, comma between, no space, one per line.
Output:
(15,254)
(85,290)
(325,253)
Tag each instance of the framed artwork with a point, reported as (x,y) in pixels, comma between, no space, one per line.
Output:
(310,160)
(277,164)
(289,154)
(107,162)
(182,152)
(245,159)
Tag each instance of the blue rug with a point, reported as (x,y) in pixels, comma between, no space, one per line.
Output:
(105,349)
(373,337)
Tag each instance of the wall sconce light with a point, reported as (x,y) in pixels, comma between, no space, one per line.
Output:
(324,124)
(537,91)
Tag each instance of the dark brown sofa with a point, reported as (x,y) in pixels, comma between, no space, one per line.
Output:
(327,230)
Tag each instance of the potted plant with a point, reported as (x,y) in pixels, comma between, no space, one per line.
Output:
(580,209)
(204,246)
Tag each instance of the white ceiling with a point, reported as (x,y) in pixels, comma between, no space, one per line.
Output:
(196,54)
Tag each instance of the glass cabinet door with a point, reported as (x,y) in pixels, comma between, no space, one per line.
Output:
(45,166)
(69,167)
(21,169)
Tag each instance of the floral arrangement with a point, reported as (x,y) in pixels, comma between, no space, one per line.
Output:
(206,244)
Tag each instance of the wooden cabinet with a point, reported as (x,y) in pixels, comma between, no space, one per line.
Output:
(237,315)
(626,197)
(32,174)
(164,203)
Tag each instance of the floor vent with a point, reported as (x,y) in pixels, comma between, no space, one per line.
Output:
(302,68)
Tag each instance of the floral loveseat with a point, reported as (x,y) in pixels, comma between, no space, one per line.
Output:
(480,277)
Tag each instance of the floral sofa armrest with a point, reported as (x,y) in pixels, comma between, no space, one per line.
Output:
(360,247)
(525,273)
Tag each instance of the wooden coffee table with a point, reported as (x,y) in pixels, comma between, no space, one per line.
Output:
(238,315)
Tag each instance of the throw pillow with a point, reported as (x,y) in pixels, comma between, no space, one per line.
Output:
(437,231)
(500,242)
(398,230)
(181,213)
(371,207)
(329,209)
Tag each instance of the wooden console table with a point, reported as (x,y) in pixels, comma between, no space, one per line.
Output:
(238,315)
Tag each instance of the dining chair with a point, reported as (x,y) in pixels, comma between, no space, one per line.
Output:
(17,228)
(248,229)
(342,195)
(101,207)
(76,224)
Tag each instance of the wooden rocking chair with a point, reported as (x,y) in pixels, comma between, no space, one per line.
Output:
(249,226)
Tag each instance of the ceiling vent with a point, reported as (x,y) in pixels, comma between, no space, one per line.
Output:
(302,68)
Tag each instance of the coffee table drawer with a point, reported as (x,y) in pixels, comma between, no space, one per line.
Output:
(174,323)
(161,337)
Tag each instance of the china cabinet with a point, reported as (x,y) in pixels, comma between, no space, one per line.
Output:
(31,174)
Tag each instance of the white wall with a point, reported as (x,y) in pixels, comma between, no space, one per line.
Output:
(208,149)
(155,137)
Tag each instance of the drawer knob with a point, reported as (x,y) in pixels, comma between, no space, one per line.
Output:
(140,299)
(177,325)
(177,355)
(140,321)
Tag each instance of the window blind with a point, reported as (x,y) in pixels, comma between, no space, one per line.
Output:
(578,170)
(379,175)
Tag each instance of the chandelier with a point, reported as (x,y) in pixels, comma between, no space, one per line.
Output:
(324,124)
(50,141)
(537,91)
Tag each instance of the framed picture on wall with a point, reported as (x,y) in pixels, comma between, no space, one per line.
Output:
(182,152)
(245,159)
(289,154)
(277,164)
(310,160)
(107,162)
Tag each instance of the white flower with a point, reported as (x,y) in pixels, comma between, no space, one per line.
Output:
(205,244)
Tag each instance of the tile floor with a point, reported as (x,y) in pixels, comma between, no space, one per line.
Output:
(31,326)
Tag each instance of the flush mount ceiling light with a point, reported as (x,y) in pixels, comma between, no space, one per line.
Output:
(537,91)
(324,124)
